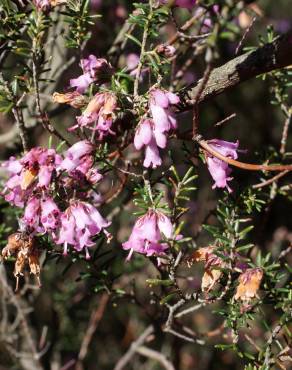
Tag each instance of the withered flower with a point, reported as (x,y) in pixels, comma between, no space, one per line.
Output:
(210,278)
(246,17)
(249,284)
(74,98)
(213,263)
(201,255)
(23,247)
(58,2)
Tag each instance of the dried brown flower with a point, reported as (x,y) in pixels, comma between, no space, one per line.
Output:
(213,263)
(23,247)
(75,99)
(201,254)
(249,284)
(210,278)
(245,18)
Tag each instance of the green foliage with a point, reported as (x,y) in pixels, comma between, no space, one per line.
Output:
(147,198)
(79,22)
(6,100)
(183,189)
(12,23)
(146,13)
(147,17)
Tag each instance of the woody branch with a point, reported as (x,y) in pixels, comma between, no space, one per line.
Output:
(272,56)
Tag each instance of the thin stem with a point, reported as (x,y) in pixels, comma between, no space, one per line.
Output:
(120,41)
(142,52)
(270,181)
(93,323)
(43,116)
(155,355)
(201,87)
(24,327)
(242,165)
(190,309)
(21,128)
(185,27)
(17,114)
(285,252)
(224,120)
(285,134)
(126,358)
(239,46)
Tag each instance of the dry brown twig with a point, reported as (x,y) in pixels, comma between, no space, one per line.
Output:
(245,166)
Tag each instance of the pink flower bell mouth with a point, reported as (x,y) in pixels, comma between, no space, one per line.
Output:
(147,234)
(219,170)
(79,223)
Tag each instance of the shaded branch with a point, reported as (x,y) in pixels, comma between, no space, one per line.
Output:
(26,350)
(126,358)
(157,356)
(270,181)
(95,318)
(275,55)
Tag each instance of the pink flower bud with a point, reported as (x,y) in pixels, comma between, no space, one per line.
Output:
(166,50)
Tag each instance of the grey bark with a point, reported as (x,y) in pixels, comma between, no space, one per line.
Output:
(272,56)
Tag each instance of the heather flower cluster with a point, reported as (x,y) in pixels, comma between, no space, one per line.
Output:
(37,182)
(34,171)
(99,112)
(152,133)
(98,115)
